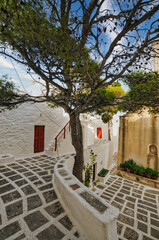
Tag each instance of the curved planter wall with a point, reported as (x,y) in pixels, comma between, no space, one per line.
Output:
(95,218)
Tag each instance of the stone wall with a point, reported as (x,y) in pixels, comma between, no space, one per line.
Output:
(155,45)
(139,139)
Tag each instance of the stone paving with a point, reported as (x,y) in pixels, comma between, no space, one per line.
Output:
(138,206)
(29,207)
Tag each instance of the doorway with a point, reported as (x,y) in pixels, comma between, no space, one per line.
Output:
(39,139)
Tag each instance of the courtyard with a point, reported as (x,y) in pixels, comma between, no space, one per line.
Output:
(30,208)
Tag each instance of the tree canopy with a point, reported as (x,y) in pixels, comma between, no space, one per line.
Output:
(78,48)
(143,92)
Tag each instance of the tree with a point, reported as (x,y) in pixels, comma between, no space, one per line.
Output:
(107,112)
(73,44)
(9,95)
(143,92)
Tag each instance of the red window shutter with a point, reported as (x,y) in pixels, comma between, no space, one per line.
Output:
(99,133)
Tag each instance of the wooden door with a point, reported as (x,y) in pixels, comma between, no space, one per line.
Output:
(94,172)
(99,133)
(39,139)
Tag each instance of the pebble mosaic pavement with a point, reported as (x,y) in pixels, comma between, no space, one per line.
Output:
(30,209)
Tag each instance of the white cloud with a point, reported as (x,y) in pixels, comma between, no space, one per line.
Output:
(14,80)
(4,62)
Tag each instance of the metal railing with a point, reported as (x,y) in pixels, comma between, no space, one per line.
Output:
(62,133)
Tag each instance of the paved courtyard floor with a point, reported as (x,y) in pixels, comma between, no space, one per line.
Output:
(30,209)
(138,206)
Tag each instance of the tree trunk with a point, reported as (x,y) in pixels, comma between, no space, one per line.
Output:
(109,132)
(77,142)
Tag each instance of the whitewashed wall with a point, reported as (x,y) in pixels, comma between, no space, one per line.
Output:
(17,131)
(17,127)
(104,158)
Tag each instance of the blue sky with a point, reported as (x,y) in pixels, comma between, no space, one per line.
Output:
(6,67)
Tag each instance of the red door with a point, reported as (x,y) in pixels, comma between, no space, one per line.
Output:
(99,133)
(38,139)
(94,172)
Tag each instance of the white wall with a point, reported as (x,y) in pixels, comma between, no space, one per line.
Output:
(93,224)
(104,158)
(17,127)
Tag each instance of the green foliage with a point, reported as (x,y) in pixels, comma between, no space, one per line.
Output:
(143,91)
(89,170)
(136,168)
(107,112)
(155,174)
(148,171)
(128,164)
(103,172)
(7,92)
(140,170)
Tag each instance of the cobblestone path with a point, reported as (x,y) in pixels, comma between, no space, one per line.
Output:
(29,207)
(138,206)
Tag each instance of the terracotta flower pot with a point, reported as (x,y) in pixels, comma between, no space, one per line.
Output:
(122,169)
(155,178)
(148,176)
(134,172)
(128,170)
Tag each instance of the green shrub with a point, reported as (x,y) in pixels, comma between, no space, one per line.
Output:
(130,164)
(149,171)
(155,174)
(122,165)
(136,168)
(89,169)
(141,170)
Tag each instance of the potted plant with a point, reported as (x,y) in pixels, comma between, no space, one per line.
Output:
(122,166)
(136,169)
(141,171)
(149,172)
(129,165)
(155,175)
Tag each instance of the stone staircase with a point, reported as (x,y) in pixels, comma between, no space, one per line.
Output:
(56,143)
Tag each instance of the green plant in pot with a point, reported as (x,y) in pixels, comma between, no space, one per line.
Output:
(149,172)
(129,165)
(141,171)
(136,169)
(155,175)
(122,166)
